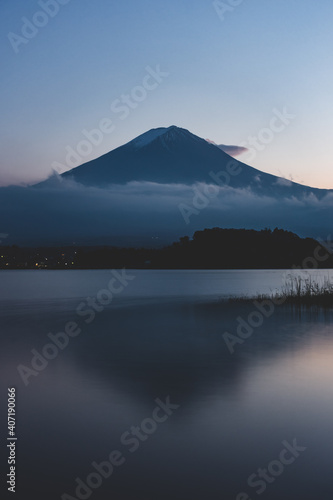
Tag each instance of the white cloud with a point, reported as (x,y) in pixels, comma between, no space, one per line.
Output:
(283,182)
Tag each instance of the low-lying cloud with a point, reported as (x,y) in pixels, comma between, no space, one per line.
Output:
(143,213)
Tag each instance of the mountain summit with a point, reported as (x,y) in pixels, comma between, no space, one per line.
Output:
(167,137)
(162,155)
(173,155)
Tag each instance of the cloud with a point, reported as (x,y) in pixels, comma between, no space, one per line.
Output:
(283,182)
(136,213)
(230,150)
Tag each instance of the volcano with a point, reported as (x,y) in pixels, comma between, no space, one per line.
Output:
(174,155)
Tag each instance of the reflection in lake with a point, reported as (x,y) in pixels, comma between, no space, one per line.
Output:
(234,410)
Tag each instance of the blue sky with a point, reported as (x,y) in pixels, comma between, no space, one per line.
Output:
(224,79)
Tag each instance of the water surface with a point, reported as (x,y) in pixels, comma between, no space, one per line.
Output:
(163,336)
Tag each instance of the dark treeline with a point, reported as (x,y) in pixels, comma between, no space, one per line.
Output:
(208,249)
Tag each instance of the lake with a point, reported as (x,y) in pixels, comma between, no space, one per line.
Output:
(126,387)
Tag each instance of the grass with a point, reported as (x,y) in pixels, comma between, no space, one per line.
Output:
(305,292)
(301,292)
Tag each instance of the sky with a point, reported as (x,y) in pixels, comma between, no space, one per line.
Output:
(104,72)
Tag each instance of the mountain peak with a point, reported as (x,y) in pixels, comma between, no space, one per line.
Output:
(166,135)
(173,155)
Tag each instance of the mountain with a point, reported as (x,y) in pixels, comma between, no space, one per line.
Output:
(153,190)
(163,155)
(176,156)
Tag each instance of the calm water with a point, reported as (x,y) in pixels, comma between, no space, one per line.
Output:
(162,336)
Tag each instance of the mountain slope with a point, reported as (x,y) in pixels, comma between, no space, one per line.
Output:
(164,155)
(176,156)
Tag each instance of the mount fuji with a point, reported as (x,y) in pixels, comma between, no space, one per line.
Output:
(162,185)
(174,155)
